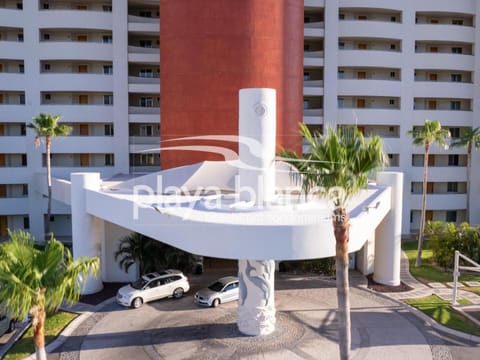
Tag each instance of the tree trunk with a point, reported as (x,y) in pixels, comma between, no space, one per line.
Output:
(39,335)
(418,261)
(341,228)
(469,163)
(48,142)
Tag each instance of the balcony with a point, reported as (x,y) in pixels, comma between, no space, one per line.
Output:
(76,82)
(78,50)
(143,24)
(15,175)
(370,29)
(14,49)
(94,144)
(353,116)
(143,55)
(367,87)
(13,144)
(440,32)
(445,117)
(14,206)
(12,81)
(137,84)
(314,3)
(14,112)
(94,113)
(313,116)
(370,58)
(448,201)
(314,30)
(72,19)
(439,173)
(12,18)
(449,61)
(371,4)
(313,87)
(443,89)
(313,58)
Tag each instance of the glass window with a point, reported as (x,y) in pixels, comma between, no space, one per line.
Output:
(457,22)
(146,102)
(107,99)
(455,105)
(452,160)
(451,216)
(107,39)
(456,77)
(452,187)
(107,8)
(457,50)
(108,69)
(454,132)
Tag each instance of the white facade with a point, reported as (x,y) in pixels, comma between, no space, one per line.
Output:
(383,65)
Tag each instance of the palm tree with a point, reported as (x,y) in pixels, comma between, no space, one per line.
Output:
(470,139)
(47,127)
(38,281)
(338,166)
(429,134)
(151,255)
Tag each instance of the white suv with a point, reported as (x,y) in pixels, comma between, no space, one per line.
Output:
(153,286)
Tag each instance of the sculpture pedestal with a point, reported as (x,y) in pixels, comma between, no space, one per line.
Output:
(256,303)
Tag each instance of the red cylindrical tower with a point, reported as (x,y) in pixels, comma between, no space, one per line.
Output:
(211,49)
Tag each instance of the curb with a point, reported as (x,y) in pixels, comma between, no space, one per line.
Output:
(14,339)
(71,327)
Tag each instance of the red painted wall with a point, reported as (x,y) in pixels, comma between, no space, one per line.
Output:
(211,49)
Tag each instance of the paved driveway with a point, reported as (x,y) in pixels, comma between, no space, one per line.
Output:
(306,329)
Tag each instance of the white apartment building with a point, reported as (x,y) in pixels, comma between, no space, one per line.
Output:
(382,65)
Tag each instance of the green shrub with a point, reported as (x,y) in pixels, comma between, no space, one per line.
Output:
(445,238)
(325,266)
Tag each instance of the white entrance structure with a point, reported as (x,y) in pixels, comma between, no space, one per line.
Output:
(248,209)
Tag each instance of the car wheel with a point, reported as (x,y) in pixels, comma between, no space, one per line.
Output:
(11,326)
(178,293)
(216,302)
(137,302)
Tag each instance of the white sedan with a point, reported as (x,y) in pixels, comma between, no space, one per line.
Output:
(153,286)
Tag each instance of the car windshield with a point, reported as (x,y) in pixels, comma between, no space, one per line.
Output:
(138,284)
(216,286)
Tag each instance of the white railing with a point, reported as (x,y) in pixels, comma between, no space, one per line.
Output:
(456,272)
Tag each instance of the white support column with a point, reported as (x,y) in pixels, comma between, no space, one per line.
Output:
(256,304)
(388,235)
(87,230)
(366,256)
(256,147)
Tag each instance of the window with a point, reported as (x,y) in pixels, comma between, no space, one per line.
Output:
(107,8)
(455,105)
(456,77)
(393,18)
(393,74)
(46,36)
(107,39)
(23,129)
(146,73)
(21,99)
(24,189)
(107,99)
(146,102)
(46,67)
(340,103)
(452,160)
(108,69)
(306,19)
(341,45)
(341,16)
(146,14)
(306,47)
(146,130)
(393,46)
(24,159)
(306,104)
(46,6)
(451,216)
(455,132)
(20,6)
(21,68)
(433,21)
(145,43)
(362,17)
(391,102)
(452,187)
(306,76)
(144,159)
(20,37)
(108,129)
(26,222)
(457,50)
(457,22)
(109,160)
(341,74)
(48,97)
